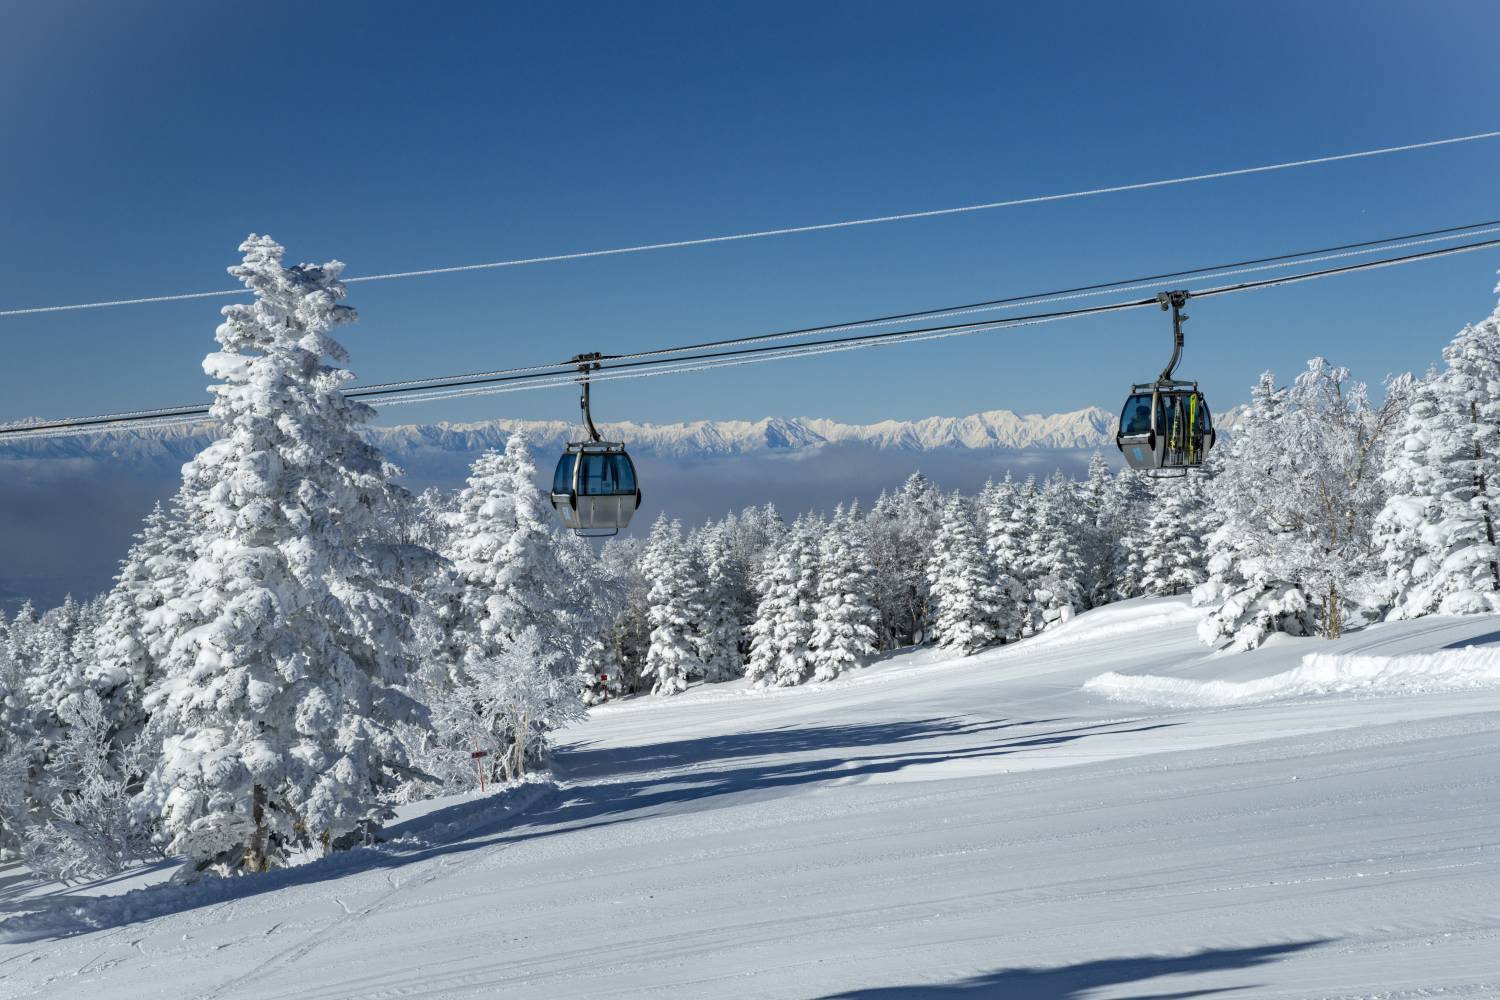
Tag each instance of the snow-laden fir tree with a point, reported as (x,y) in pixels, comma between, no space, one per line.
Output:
(1300,499)
(85,828)
(1248,597)
(781,635)
(1054,563)
(1005,535)
(1437,530)
(17,749)
(1097,543)
(1128,511)
(55,654)
(280,686)
(508,578)
(1009,528)
(902,530)
(1174,552)
(130,639)
(970,609)
(502,545)
(675,603)
(841,634)
(723,618)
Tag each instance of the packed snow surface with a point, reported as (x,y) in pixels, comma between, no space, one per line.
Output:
(923,827)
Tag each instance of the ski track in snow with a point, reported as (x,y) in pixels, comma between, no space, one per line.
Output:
(926,827)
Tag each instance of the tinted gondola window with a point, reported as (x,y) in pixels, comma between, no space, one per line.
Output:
(624,473)
(1136,417)
(562,480)
(606,475)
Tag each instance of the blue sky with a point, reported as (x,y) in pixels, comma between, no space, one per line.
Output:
(144,141)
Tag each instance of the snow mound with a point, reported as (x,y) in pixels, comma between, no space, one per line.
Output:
(1318,674)
(1118,621)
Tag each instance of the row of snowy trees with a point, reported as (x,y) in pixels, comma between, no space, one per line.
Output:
(786,604)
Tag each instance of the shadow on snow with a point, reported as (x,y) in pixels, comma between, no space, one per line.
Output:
(1074,982)
(622,795)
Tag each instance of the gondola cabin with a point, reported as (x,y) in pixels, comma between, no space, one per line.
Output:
(594,489)
(1166,426)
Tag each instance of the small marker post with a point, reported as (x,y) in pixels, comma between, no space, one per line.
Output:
(478,755)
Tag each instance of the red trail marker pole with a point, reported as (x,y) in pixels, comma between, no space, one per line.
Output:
(478,755)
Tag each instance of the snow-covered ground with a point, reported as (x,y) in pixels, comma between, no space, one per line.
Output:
(926,827)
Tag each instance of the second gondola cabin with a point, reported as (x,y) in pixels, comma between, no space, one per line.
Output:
(594,489)
(1165,426)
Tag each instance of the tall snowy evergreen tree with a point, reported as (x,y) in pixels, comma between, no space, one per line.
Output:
(1175,561)
(841,634)
(1097,543)
(675,610)
(970,609)
(128,643)
(781,635)
(1005,512)
(902,530)
(509,581)
(723,620)
(1248,596)
(1054,562)
(280,686)
(1010,532)
(1300,497)
(1128,512)
(1437,531)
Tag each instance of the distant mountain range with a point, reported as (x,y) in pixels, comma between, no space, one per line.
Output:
(993,430)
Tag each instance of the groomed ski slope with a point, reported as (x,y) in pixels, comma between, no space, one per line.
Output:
(925,827)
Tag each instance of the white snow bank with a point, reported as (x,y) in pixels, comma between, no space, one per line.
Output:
(1130,618)
(1318,674)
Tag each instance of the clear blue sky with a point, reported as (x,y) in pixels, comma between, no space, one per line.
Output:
(143,141)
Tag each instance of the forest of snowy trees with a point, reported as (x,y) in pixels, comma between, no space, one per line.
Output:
(294,644)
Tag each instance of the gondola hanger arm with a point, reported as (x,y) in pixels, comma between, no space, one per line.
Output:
(1174,301)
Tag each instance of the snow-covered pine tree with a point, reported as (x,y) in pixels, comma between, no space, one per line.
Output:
(1006,538)
(289,639)
(969,604)
(841,634)
(1127,514)
(675,610)
(781,634)
(1175,561)
(1249,600)
(723,623)
(1097,543)
(902,530)
(1011,543)
(1053,563)
(86,828)
(1437,531)
(509,579)
(17,749)
(152,572)
(1300,499)
(54,655)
